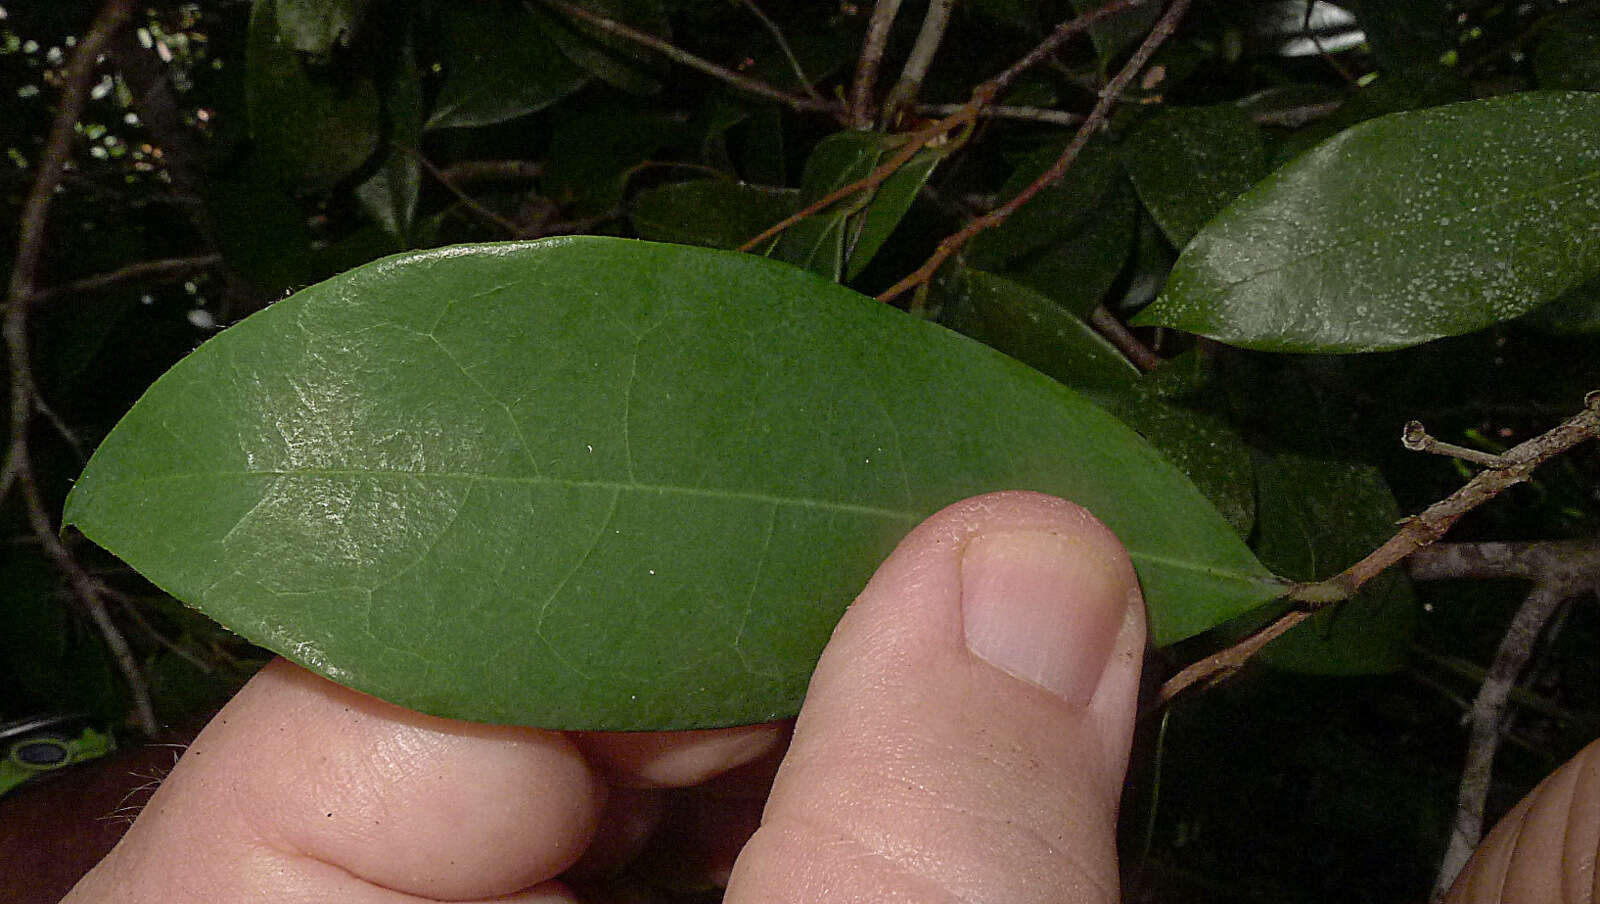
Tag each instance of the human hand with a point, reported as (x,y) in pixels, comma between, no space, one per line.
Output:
(964,738)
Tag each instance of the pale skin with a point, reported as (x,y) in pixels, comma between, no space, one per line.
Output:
(965,739)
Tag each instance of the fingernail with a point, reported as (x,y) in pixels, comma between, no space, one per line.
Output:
(1045,608)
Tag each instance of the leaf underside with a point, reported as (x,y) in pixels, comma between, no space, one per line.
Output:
(598,483)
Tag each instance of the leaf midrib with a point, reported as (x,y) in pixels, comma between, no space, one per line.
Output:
(909,518)
(613,485)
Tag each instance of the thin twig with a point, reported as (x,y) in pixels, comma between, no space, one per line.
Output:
(1059,36)
(1159,33)
(905,91)
(1295,117)
(1490,560)
(1433,522)
(685,58)
(466,200)
(65,432)
(168,268)
(1487,718)
(18,468)
(1116,332)
(130,606)
(914,142)
(788,52)
(493,171)
(1440,688)
(1520,696)
(1415,533)
(1416,438)
(58,150)
(1006,111)
(962,116)
(1316,41)
(8,475)
(1559,571)
(872,47)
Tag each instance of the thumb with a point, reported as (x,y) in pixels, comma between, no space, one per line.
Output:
(1546,848)
(966,733)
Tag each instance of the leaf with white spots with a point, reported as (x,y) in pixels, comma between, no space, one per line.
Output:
(1402,229)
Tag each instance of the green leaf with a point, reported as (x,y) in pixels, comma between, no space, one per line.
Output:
(310,128)
(890,203)
(1119,33)
(1315,518)
(599,483)
(817,243)
(1023,323)
(315,26)
(1079,267)
(498,64)
(613,59)
(714,213)
(390,196)
(1056,212)
(1162,408)
(1188,163)
(1401,230)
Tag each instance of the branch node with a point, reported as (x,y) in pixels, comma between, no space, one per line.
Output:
(1415,533)
(1416,438)
(1317,594)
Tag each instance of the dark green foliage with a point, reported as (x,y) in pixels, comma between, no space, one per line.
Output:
(1428,190)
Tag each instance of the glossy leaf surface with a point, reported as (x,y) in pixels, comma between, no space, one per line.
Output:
(599,483)
(1402,229)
